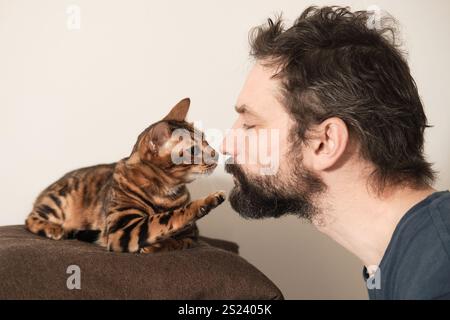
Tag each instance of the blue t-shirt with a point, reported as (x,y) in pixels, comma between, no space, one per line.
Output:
(416,264)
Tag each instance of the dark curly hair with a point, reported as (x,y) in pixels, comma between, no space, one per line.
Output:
(333,63)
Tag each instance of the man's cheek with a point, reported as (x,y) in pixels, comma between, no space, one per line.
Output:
(269,150)
(259,151)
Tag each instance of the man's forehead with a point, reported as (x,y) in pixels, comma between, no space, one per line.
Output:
(259,91)
(259,80)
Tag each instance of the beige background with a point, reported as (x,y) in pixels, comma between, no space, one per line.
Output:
(72,98)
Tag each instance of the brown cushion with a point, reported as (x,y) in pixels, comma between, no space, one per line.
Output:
(32,267)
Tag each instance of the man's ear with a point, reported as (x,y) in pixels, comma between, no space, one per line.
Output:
(157,136)
(179,111)
(328,143)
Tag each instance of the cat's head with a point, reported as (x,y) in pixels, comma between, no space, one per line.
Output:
(175,146)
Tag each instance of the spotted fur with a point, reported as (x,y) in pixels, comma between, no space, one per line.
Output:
(138,204)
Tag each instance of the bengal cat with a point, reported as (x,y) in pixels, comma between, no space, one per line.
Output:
(140,203)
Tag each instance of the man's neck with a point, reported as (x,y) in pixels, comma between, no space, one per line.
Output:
(362,222)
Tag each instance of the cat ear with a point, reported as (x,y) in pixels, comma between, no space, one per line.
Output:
(179,112)
(158,135)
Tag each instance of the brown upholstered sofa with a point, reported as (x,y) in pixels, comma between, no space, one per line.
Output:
(32,267)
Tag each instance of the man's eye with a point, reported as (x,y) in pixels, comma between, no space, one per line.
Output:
(246,126)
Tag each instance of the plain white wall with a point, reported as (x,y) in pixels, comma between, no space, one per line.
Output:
(73,98)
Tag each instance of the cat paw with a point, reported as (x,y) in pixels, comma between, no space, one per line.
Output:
(212,201)
(216,198)
(54,232)
(150,249)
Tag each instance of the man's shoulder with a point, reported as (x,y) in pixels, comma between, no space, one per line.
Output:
(433,233)
(427,225)
(421,258)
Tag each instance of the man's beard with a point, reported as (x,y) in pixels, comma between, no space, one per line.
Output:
(266,196)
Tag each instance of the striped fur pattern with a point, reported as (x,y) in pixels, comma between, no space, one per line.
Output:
(138,204)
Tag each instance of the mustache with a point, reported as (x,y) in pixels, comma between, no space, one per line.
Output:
(230,167)
(247,183)
(235,170)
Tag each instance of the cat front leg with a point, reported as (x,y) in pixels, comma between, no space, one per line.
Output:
(180,241)
(168,245)
(167,224)
(130,232)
